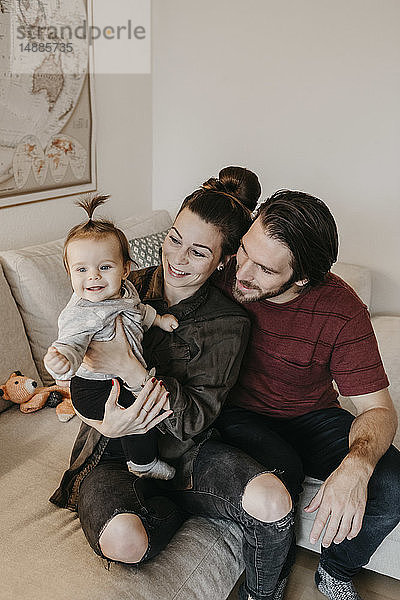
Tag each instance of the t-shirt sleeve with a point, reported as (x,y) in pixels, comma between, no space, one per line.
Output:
(356,364)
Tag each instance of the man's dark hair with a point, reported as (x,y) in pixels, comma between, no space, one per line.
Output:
(306,226)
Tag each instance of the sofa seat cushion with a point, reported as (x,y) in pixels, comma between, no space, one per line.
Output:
(47,555)
(41,287)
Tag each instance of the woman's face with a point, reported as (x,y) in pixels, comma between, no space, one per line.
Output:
(190,254)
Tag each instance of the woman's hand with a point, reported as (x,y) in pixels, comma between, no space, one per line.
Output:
(116,357)
(139,418)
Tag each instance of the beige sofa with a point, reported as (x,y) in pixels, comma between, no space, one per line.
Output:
(44,553)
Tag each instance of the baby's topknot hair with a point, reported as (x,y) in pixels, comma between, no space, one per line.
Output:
(95,228)
(89,203)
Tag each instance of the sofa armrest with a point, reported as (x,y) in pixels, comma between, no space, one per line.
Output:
(387,330)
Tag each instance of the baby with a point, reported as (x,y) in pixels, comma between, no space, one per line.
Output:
(96,257)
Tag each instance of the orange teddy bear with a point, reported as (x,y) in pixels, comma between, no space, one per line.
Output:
(25,392)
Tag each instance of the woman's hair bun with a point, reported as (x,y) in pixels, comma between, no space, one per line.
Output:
(226,203)
(241,183)
(214,185)
(238,182)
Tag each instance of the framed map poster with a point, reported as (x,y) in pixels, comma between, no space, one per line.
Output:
(47,133)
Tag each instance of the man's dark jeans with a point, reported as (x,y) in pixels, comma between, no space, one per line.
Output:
(320,439)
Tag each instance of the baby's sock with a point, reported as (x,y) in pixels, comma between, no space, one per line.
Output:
(333,588)
(157,469)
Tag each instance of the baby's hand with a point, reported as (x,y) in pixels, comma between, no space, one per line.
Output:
(56,361)
(166,322)
(64,383)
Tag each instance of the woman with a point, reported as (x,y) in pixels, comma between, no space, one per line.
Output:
(197,364)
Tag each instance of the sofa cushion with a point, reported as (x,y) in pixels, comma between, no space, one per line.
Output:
(145,251)
(47,556)
(15,353)
(41,287)
(359,278)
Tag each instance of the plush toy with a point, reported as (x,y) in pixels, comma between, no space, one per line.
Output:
(25,392)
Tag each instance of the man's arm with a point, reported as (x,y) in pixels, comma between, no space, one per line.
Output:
(342,497)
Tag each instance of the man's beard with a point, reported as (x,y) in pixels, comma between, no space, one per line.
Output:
(258,293)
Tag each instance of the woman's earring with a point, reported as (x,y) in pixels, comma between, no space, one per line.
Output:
(220,268)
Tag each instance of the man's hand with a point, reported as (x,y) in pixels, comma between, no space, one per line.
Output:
(340,502)
(56,361)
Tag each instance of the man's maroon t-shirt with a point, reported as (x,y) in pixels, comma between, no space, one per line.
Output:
(297,348)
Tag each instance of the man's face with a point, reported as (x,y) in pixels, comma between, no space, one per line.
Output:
(264,268)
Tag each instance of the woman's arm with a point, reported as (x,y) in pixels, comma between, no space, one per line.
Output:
(138,418)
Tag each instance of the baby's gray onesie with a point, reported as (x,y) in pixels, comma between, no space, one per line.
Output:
(82,321)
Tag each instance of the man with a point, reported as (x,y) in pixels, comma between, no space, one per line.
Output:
(309,329)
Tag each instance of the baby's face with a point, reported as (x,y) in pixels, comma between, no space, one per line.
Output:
(96,268)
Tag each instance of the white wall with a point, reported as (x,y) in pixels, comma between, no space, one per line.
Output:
(304,92)
(124,152)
